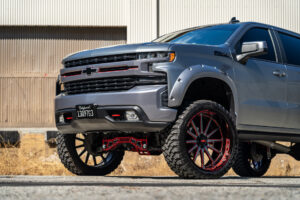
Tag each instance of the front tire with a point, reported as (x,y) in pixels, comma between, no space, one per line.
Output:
(75,152)
(203,141)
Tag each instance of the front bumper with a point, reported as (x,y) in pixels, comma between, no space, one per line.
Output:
(146,101)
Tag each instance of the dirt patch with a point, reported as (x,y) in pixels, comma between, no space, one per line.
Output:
(34,157)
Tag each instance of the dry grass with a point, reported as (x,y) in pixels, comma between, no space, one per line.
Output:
(34,157)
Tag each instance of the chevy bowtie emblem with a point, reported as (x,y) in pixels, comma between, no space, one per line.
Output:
(89,71)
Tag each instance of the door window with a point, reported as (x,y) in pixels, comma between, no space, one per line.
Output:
(258,34)
(291,47)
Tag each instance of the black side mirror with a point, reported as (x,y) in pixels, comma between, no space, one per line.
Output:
(250,49)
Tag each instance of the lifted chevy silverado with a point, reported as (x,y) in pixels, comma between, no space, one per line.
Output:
(209,98)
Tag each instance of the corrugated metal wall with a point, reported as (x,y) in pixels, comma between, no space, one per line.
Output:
(30,56)
(140,15)
(179,14)
(29,64)
(142,21)
(63,12)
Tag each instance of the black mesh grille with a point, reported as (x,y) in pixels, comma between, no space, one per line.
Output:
(101,59)
(164,98)
(111,84)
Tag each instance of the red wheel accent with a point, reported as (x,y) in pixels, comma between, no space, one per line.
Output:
(207,146)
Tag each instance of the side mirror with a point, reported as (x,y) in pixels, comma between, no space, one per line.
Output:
(250,49)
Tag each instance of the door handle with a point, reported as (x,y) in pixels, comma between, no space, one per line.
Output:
(279,74)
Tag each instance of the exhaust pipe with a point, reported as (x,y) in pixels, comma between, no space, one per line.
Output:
(273,145)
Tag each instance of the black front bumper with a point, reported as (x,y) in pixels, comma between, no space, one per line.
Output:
(105,122)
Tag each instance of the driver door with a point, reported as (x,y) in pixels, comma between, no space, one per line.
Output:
(261,85)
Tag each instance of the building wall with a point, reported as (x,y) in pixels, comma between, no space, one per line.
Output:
(142,21)
(139,16)
(36,34)
(179,14)
(30,62)
(63,12)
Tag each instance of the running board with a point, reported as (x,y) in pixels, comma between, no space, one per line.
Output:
(253,135)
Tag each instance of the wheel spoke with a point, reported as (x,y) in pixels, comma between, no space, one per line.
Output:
(196,130)
(87,158)
(94,159)
(213,148)
(213,132)
(208,155)
(83,151)
(193,148)
(82,145)
(191,141)
(207,127)
(191,134)
(214,140)
(103,158)
(202,159)
(197,153)
(80,139)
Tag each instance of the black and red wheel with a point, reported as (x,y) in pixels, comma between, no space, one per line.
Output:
(81,154)
(202,142)
(252,160)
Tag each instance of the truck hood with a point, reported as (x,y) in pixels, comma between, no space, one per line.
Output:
(190,49)
(118,49)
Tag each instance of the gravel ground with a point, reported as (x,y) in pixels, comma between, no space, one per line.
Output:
(85,188)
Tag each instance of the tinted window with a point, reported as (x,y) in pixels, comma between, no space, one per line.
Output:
(291,47)
(258,34)
(213,35)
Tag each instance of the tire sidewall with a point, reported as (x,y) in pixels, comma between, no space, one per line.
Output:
(219,110)
(117,156)
(244,151)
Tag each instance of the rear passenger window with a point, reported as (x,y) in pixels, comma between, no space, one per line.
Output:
(258,34)
(291,47)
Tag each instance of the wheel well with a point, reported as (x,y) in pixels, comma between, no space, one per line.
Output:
(210,89)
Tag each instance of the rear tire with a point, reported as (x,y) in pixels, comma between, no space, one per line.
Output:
(92,164)
(251,164)
(203,141)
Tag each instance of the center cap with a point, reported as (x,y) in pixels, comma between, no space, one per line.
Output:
(202,140)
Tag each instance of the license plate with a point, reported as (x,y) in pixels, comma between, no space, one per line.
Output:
(85,111)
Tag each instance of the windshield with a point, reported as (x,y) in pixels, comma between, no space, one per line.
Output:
(211,35)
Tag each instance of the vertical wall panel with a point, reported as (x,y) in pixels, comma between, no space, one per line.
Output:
(30,52)
(142,25)
(63,12)
(179,14)
(140,15)
(29,64)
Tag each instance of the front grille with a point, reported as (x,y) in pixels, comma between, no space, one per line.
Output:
(101,59)
(111,84)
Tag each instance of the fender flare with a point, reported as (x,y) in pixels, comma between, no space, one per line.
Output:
(190,74)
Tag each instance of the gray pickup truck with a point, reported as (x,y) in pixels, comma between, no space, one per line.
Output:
(209,98)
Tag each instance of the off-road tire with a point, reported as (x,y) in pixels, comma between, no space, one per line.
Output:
(70,159)
(175,151)
(242,166)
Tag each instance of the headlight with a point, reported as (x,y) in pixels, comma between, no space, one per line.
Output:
(169,56)
(162,54)
(142,55)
